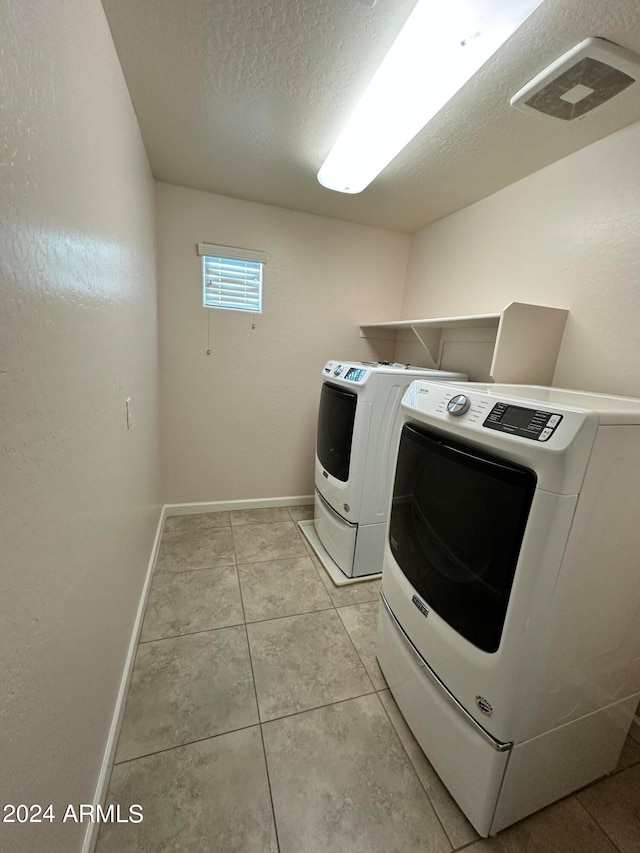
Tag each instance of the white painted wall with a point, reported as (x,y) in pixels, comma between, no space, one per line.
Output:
(78,492)
(566,236)
(241,422)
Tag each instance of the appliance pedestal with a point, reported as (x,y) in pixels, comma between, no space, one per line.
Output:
(556,763)
(338,577)
(466,758)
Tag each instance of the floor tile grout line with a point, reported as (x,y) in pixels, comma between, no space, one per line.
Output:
(244,615)
(288,509)
(593,818)
(270,560)
(127,694)
(355,603)
(191,633)
(287,521)
(287,615)
(413,767)
(192,534)
(186,743)
(186,531)
(304,556)
(107,788)
(253,674)
(264,750)
(266,766)
(359,656)
(317,707)
(467,843)
(198,569)
(292,615)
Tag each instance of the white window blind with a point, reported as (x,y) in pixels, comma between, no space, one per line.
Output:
(232,277)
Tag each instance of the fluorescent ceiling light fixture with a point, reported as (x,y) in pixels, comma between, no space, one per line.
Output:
(441,46)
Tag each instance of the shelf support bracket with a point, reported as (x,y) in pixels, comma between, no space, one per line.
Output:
(426,347)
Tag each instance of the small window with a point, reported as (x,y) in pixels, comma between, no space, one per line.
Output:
(231,278)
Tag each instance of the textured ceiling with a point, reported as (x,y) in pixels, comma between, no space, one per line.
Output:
(245,99)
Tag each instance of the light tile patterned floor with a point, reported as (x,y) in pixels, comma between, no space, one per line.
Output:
(258,718)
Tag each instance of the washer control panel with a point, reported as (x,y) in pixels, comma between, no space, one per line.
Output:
(536,424)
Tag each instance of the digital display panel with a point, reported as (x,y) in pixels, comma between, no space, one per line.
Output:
(517,417)
(355,374)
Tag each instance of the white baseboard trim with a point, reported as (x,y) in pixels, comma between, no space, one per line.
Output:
(91,835)
(223,506)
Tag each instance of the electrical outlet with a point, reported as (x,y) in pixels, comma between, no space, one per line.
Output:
(129,412)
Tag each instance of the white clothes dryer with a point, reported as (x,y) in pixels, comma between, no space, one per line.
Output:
(510,631)
(358,422)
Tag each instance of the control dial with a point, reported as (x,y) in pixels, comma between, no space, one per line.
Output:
(458,405)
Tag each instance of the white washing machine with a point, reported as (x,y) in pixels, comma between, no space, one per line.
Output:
(510,631)
(358,422)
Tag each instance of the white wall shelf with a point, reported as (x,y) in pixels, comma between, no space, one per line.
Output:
(522,341)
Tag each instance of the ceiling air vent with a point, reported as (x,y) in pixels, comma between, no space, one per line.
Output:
(586,76)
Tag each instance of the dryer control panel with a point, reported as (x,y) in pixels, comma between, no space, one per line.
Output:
(536,424)
(343,370)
